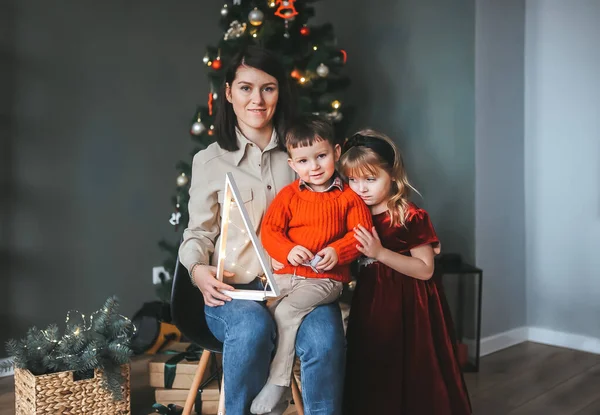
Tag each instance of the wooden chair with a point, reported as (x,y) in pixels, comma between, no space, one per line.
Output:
(187,312)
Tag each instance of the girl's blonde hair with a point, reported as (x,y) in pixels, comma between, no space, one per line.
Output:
(360,160)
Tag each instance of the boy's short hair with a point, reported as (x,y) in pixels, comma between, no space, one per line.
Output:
(304,130)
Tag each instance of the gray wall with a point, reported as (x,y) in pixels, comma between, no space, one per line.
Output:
(99,97)
(411,64)
(499,164)
(562,160)
(98,115)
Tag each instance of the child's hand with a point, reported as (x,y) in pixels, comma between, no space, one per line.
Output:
(276,265)
(298,255)
(330,259)
(370,245)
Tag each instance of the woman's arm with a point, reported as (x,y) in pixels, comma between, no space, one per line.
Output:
(199,237)
(420,265)
(203,227)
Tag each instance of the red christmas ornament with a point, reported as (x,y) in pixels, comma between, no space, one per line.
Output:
(286,9)
(217,64)
(344,55)
(295,74)
(210,102)
(304,31)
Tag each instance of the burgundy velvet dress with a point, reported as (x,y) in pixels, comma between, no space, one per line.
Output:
(401,356)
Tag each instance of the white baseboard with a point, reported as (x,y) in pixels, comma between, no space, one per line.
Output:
(504,340)
(512,337)
(8,373)
(567,340)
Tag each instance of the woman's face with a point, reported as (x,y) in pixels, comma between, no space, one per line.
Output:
(253,95)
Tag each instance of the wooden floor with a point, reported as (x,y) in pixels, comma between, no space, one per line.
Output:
(529,378)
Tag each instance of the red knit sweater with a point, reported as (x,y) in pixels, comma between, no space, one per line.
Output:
(314,220)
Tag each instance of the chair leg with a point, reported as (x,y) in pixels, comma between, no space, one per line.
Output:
(297,397)
(221,410)
(189,402)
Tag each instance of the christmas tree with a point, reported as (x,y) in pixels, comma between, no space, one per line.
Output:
(311,57)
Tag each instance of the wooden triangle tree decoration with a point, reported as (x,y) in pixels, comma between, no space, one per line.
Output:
(232,194)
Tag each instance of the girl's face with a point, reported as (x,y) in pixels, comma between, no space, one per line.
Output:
(253,95)
(374,190)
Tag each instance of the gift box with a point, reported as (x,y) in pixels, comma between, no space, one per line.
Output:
(175,367)
(210,397)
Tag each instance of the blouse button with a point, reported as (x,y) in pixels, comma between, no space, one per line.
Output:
(269,187)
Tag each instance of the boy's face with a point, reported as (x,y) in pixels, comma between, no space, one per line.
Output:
(315,164)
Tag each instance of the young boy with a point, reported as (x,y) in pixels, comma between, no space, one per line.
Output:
(310,218)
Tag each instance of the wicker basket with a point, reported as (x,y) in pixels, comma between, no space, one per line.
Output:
(58,393)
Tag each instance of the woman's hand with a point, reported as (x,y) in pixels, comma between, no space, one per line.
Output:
(276,265)
(329,259)
(370,245)
(299,255)
(209,286)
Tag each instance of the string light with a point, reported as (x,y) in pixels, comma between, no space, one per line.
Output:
(240,247)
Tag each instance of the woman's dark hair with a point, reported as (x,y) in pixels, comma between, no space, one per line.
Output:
(225,119)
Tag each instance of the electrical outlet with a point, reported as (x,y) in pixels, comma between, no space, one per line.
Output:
(157,272)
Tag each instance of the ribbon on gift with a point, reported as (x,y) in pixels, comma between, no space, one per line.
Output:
(170,409)
(191,354)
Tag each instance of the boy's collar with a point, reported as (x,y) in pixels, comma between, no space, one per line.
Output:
(337,182)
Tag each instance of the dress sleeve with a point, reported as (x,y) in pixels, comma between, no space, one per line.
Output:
(421,231)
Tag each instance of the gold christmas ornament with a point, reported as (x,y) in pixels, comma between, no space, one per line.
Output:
(336,104)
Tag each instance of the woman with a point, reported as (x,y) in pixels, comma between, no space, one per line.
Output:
(254,105)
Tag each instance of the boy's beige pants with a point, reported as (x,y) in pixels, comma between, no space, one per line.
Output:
(298,297)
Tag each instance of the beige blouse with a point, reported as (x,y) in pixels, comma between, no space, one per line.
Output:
(259,175)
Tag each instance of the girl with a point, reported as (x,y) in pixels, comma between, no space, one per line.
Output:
(401,356)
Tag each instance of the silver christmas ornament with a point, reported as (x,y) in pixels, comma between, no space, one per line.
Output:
(224,10)
(322,70)
(198,128)
(182,180)
(205,59)
(256,17)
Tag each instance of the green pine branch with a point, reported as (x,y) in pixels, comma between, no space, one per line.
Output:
(104,345)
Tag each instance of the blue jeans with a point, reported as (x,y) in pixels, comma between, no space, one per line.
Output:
(247,331)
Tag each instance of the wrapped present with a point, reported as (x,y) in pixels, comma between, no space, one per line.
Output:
(170,409)
(174,368)
(209,396)
(165,396)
